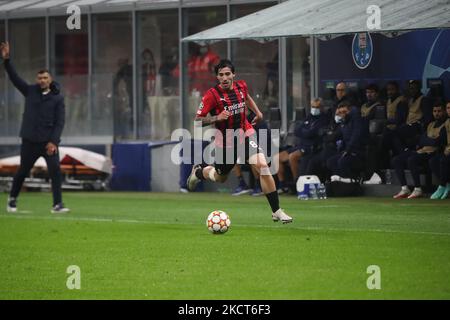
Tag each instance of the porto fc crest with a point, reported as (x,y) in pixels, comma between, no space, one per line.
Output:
(362,49)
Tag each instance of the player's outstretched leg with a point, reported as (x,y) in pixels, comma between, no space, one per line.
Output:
(268,186)
(200,173)
(193,179)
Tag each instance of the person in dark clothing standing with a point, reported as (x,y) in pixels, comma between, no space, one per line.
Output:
(42,125)
(348,163)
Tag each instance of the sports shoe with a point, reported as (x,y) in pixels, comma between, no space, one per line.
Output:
(242,188)
(438,193)
(404,193)
(257,191)
(280,215)
(445,193)
(417,193)
(11,206)
(282,188)
(59,208)
(335,178)
(192,180)
(374,179)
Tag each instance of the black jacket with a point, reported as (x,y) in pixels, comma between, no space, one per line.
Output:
(310,132)
(355,132)
(43,117)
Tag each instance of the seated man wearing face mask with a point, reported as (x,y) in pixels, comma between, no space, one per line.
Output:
(309,134)
(349,161)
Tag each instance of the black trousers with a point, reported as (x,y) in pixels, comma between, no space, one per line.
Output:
(317,163)
(29,153)
(346,166)
(440,166)
(410,160)
(406,136)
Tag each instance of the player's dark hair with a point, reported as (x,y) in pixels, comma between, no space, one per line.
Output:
(415,82)
(224,63)
(372,87)
(344,104)
(440,103)
(394,84)
(43,71)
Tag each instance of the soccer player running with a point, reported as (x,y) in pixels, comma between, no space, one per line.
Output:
(224,106)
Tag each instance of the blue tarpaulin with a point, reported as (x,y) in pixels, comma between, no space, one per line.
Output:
(132,167)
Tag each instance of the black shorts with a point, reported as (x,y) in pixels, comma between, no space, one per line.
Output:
(224,167)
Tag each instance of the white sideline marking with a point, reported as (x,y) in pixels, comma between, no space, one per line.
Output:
(15,216)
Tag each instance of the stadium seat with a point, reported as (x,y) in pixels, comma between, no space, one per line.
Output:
(275,118)
(291,139)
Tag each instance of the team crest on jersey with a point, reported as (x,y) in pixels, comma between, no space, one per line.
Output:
(242,95)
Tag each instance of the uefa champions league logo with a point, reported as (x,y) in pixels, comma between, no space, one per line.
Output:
(431,70)
(362,49)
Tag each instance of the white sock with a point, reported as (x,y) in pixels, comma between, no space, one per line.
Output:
(418,189)
(405,188)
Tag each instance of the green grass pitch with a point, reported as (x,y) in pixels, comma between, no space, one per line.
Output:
(156,246)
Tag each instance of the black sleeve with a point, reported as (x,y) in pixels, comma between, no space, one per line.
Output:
(357,134)
(18,82)
(442,140)
(427,110)
(60,112)
(402,113)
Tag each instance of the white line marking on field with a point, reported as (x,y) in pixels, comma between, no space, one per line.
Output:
(330,206)
(61,218)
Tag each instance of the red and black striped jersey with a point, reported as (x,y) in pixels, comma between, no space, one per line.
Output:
(217,99)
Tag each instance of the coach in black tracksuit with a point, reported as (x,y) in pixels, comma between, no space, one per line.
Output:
(42,125)
(354,129)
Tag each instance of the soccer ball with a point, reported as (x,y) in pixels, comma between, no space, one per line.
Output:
(218,222)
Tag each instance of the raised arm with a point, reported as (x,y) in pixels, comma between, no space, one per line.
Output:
(18,82)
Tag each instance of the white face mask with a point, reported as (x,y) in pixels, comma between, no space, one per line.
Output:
(338,119)
(315,111)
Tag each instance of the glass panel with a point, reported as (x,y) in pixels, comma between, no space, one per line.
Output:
(158,78)
(3,111)
(27,43)
(199,61)
(70,67)
(112,79)
(256,63)
(298,76)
